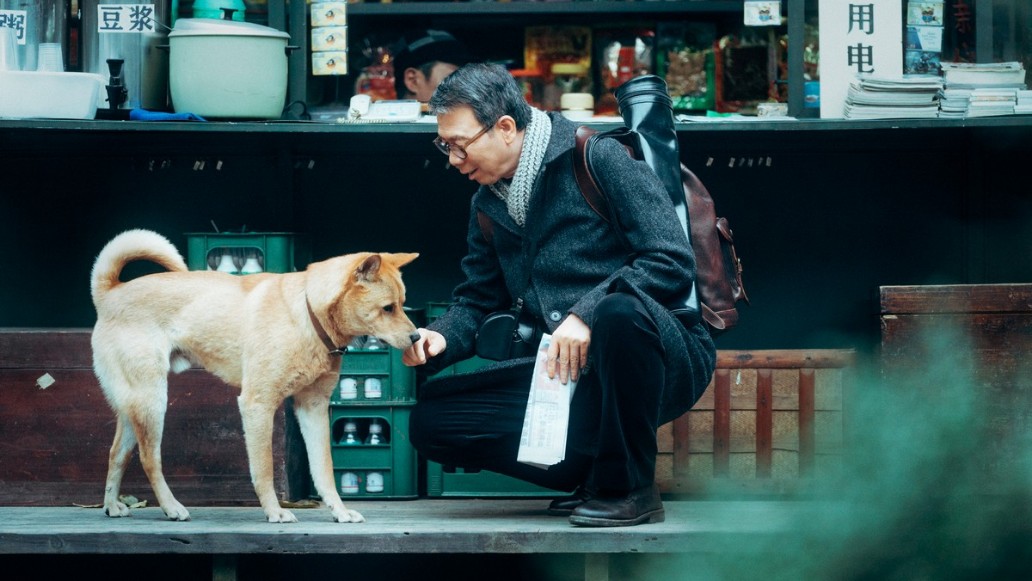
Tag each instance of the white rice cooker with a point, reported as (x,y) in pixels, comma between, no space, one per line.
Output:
(227,69)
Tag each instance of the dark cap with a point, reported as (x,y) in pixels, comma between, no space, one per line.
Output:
(432,45)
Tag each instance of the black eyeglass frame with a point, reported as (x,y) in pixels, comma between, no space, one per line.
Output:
(460,150)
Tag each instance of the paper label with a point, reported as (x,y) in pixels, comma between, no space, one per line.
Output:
(14,19)
(125,18)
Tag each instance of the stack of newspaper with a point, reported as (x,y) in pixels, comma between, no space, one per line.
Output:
(981,89)
(1007,75)
(1024,102)
(893,97)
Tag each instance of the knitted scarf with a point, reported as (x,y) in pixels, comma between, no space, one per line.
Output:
(535,140)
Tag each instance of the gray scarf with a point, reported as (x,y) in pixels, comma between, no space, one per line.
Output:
(535,140)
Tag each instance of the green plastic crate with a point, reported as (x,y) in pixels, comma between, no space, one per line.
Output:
(270,251)
(461,482)
(394,458)
(396,380)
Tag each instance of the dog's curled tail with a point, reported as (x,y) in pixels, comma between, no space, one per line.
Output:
(129,246)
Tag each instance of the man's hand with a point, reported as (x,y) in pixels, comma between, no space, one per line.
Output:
(429,344)
(568,353)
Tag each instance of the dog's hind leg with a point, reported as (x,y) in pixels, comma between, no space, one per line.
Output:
(311,406)
(147,415)
(121,451)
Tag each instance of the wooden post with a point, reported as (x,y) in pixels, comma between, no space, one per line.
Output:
(764,423)
(596,567)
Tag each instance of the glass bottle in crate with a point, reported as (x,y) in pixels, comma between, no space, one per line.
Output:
(374,482)
(252,264)
(349,483)
(372,343)
(350,437)
(348,388)
(376,436)
(373,388)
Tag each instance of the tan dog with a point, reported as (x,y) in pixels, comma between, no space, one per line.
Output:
(271,335)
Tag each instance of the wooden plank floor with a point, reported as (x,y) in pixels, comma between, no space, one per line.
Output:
(420,526)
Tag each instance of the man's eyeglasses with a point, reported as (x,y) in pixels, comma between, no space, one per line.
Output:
(460,150)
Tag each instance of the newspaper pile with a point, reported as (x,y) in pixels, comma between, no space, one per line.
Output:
(546,423)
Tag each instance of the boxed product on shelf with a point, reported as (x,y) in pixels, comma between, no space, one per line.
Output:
(247,252)
(372,455)
(685,60)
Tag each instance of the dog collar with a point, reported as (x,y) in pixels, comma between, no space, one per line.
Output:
(319,330)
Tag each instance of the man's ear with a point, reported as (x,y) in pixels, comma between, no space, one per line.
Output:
(506,126)
(411,79)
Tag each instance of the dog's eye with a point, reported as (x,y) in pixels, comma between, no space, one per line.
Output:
(388,309)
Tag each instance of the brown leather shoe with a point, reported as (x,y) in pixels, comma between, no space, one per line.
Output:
(640,506)
(565,505)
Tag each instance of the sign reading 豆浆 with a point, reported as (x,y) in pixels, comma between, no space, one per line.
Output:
(857,38)
(126,18)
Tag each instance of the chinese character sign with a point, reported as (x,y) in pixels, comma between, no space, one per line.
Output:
(126,18)
(858,38)
(14,19)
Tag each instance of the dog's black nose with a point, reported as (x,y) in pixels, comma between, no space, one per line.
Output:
(414,336)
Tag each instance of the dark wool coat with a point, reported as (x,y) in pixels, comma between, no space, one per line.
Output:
(567,258)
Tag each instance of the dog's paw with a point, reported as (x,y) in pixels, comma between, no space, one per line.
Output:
(116,509)
(347,515)
(176,511)
(281,516)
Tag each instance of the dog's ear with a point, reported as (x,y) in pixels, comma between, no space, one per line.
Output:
(401,259)
(369,267)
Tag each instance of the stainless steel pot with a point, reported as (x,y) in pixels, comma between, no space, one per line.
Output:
(145,67)
(228,69)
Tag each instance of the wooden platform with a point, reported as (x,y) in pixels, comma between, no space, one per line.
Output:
(467,526)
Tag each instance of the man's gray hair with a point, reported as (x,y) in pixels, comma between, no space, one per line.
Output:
(489,89)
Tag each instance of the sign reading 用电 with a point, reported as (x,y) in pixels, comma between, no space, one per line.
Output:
(857,38)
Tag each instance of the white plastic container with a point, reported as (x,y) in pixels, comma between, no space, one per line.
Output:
(227,69)
(50,95)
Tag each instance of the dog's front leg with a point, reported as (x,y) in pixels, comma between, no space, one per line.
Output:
(312,409)
(257,414)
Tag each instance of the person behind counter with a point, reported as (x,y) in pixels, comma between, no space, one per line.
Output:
(420,65)
(637,367)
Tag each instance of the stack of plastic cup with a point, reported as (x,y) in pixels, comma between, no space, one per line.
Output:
(50,58)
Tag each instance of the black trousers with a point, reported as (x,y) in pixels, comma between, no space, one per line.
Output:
(614,415)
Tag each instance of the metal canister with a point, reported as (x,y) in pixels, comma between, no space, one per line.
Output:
(133,33)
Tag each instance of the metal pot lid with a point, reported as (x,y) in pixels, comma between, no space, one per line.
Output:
(215,27)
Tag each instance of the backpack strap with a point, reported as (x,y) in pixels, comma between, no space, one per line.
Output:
(582,168)
(589,189)
(486,226)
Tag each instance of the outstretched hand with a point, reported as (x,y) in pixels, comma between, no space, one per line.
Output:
(429,344)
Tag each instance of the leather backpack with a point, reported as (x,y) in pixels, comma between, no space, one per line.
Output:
(718,282)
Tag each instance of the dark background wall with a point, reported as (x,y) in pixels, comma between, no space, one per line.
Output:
(822,217)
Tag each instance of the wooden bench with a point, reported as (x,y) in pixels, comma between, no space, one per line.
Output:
(770,423)
(230,535)
(758,430)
